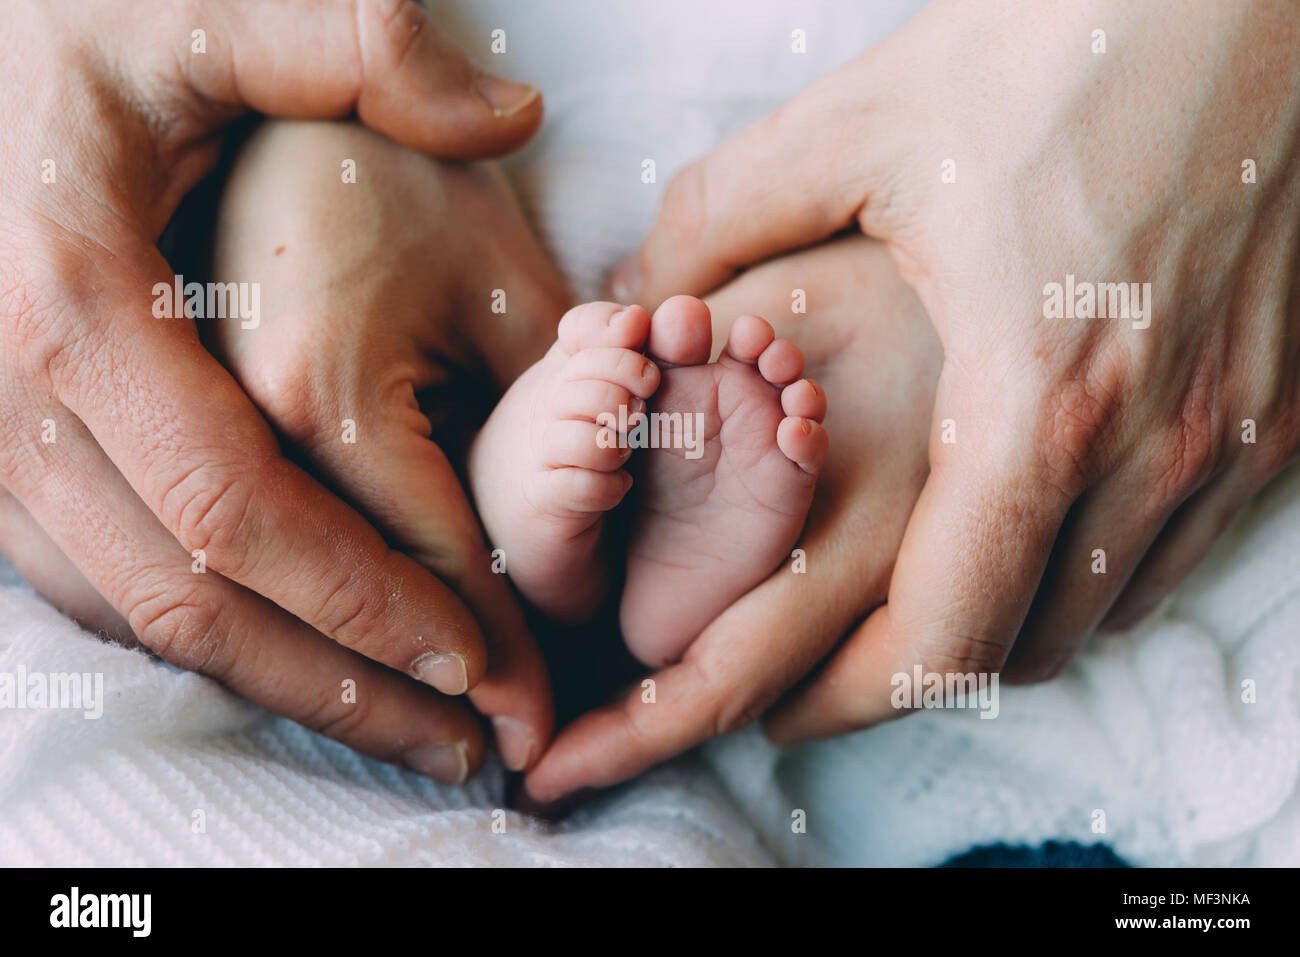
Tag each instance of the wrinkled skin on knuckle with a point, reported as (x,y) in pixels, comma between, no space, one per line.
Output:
(387,32)
(183,625)
(345,721)
(1077,421)
(1188,451)
(951,652)
(210,508)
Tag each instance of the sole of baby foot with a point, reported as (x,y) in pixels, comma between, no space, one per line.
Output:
(723,497)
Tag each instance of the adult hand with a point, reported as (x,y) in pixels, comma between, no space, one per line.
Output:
(996,154)
(868,343)
(126,444)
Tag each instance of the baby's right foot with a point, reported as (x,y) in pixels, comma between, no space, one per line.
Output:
(544,473)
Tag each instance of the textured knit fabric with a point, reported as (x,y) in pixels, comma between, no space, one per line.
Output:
(1149,729)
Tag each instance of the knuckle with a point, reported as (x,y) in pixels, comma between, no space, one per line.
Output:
(340,720)
(183,626)
(727,713)
(354,615)
(730,716)
(1190,449)
(1074,421)
(395,26)
(210,508)
(966,654)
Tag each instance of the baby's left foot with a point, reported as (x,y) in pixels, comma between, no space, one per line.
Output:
(716,517)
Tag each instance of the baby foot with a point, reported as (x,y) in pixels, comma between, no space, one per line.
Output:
(544,472)
(716,515)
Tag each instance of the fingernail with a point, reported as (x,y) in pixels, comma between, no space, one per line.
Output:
(514,741)
(448,763)
(504,96)
(446,672)
(625,284)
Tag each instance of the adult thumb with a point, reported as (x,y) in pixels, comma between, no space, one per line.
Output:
(385,59)
(794,178)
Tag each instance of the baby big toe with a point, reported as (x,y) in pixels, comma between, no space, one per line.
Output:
(681,332)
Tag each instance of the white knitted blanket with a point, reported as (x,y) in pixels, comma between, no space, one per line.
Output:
(1146,735)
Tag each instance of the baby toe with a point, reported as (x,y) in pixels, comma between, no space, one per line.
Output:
(588,399)
(584,445)
(749,336)
(804,442)
(596,325)
(781,362)
(804,399)
(621,367)
(584,490)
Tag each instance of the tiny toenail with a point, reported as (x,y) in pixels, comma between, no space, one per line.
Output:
(807,427)
(637,406)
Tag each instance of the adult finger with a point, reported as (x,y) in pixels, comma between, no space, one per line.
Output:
(198,620)
(385,59)
(400,479)
(740,665)
(1099,546)
(187,439)
(1181,545)
(975,549)
(43,565)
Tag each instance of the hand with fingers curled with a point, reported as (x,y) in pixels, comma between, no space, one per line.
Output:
(145,489)
(1065,357)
